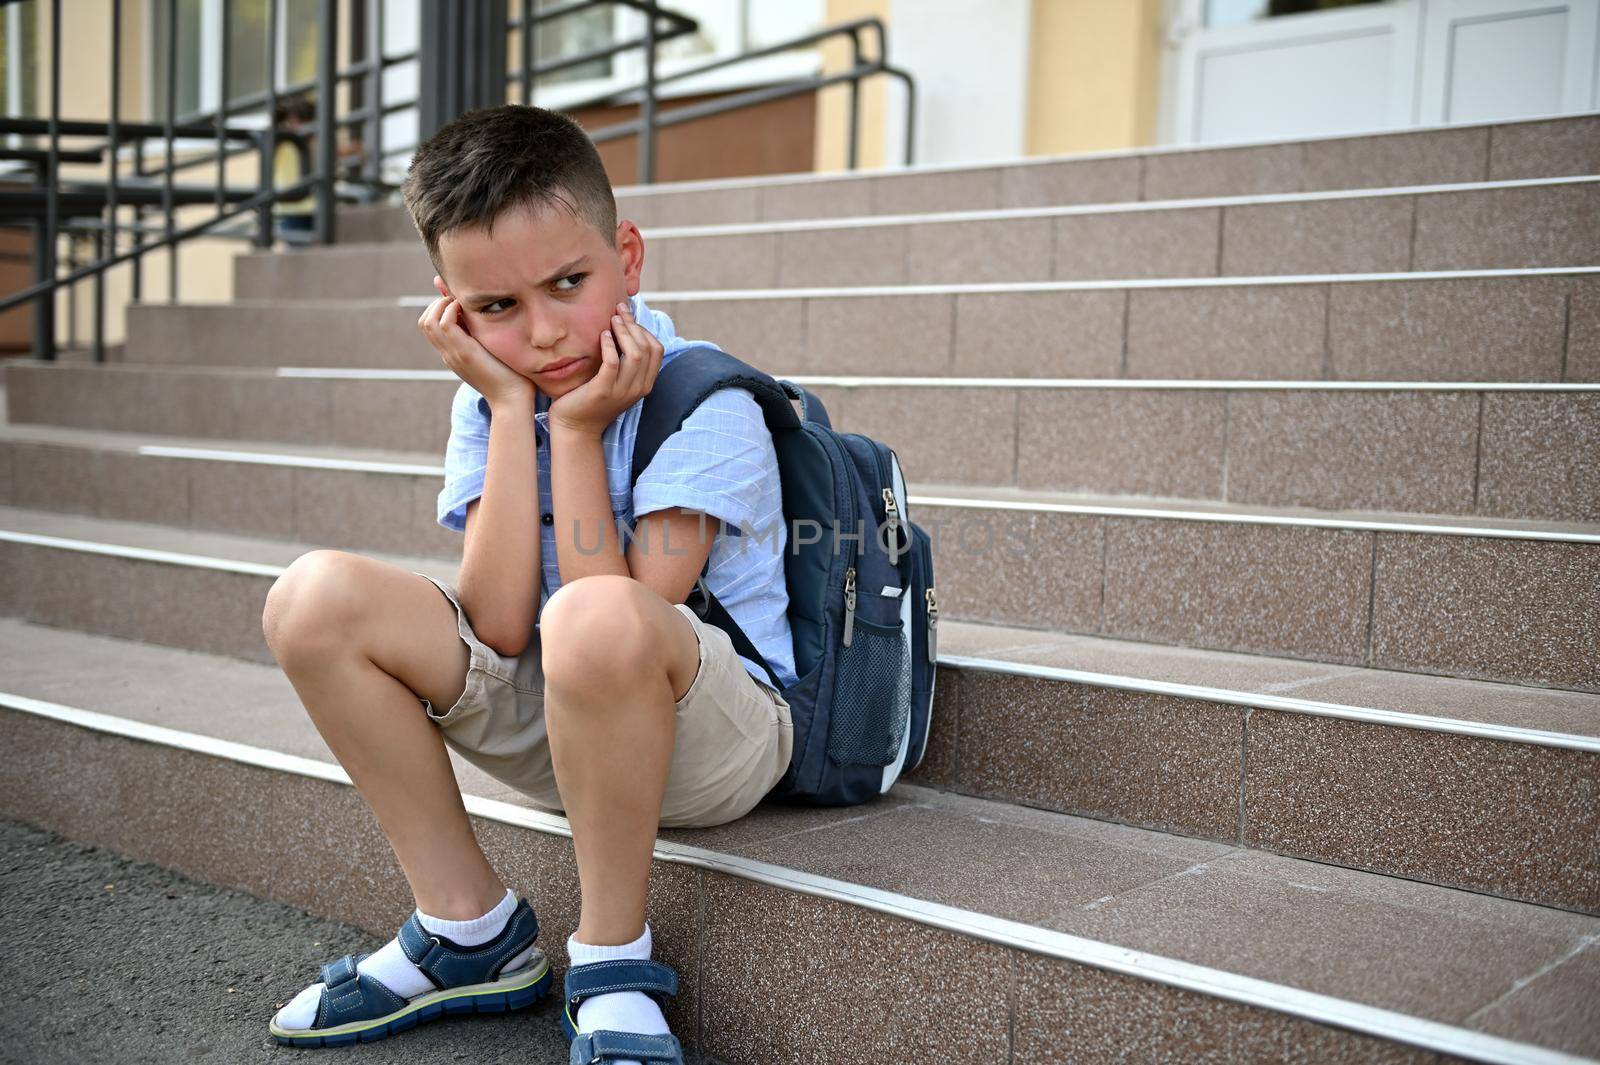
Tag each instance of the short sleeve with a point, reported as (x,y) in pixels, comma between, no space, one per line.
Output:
(714,463)
(466,458)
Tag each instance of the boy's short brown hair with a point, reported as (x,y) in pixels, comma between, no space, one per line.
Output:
(496,159)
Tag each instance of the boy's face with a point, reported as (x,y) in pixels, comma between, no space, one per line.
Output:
(540,289)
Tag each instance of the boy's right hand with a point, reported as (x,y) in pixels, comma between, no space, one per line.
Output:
(469,360)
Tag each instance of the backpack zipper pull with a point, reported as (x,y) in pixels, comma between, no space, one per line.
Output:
(849,604)
(891,514)
(933,626)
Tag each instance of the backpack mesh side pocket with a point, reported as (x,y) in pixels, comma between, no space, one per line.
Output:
(872,693)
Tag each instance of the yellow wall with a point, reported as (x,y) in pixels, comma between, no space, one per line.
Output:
(833,105)
(1093,75)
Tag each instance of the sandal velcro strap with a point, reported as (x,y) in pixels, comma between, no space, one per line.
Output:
(351,995)
(596,1048)
(449,964)
(604,977)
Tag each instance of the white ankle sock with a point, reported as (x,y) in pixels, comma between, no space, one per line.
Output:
(390,966)
(619,1011)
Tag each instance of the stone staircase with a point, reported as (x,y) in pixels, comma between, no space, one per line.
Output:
(1268,710)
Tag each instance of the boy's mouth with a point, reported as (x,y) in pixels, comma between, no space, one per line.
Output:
(560,369)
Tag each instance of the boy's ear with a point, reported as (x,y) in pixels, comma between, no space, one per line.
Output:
(630,248)
(438,283)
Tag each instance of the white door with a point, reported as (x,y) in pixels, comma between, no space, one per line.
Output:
(1238,75)
(1484,60)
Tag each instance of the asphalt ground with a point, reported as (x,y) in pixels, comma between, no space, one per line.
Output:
(112,960)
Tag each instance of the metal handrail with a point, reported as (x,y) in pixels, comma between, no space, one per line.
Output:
(366,75)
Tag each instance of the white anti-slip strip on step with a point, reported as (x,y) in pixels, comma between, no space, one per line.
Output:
(1288,704)
(1007,163)
(1279,998)
(1113,207)
(1505,532)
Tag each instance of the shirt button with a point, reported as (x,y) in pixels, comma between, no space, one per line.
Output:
(548,519)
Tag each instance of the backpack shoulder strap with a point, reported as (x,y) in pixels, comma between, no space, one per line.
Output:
(681,386)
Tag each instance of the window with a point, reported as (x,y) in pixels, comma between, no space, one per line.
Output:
(1220,13)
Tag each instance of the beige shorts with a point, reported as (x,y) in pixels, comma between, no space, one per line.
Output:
(734,734)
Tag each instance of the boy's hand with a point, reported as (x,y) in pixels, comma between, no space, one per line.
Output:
(630,358)
(469,360)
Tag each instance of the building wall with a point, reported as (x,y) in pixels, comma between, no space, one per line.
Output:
(833,104)
(1094,75)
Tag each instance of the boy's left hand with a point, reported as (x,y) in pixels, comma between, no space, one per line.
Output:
(630,358)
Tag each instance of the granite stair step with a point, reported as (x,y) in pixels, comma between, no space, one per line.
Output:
(1513,451)
(1541,223)
(1491,786)
(1558,147)
(1515,325)
(1014,932)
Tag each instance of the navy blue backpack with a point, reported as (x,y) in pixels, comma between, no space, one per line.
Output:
(861,608)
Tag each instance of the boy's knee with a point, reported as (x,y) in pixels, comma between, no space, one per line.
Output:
(592,631)
(312,596)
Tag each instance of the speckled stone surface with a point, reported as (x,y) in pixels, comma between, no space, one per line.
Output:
(956,435)
(1052,334)
(1551,148)
(1562,1003)
(7,484)
(1503,228)
(1150,760)
(833,198)
(765,333)
(1272,590)
(56,478)
(1223,172)
(939,767)
(1017,872)
(1509,819)
(343,271)
(1266,921)
(975,189)
(741,260)
(403,416)
(986,251)
(1072,1013)
(876,335)
(1583,332)
(853,992)
(828,258)
(1539,456)
(991,561)
(1371,235)
(254,500)
(1434,157)
(356,510)
(1246,331)
(1134,244)
(1409,451)
(691,207)
(1496,329)
(1121,441)
(1519,706)
(1072,181)
(365,334)
(1494,609)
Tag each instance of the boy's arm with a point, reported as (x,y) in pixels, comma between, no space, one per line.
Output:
(580,500)
(499,580)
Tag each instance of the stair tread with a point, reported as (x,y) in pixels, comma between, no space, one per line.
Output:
(1444,954)
(1010,648)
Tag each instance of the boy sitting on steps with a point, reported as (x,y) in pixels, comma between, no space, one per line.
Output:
(574,674)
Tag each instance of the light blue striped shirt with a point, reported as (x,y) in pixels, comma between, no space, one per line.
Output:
(721,462)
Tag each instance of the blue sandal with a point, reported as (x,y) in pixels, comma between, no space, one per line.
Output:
(603,977)
(356,1008)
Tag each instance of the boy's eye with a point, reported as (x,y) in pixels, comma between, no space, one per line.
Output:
(489,308)
(576,279)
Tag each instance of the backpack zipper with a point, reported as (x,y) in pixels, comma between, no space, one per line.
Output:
(849,604)
(933,626)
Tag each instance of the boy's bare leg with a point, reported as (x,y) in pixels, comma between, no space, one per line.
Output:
(616,658)
(361,640)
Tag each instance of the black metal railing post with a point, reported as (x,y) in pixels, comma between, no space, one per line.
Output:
(172,116)
(44,314)
(327,130)
(269,137)
(855,101)
(647,105)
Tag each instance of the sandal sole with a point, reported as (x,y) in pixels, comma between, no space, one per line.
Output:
(517,993)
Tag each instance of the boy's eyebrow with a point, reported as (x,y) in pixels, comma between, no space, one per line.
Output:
(564,270)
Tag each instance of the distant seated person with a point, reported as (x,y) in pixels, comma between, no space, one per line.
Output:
(291,163)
